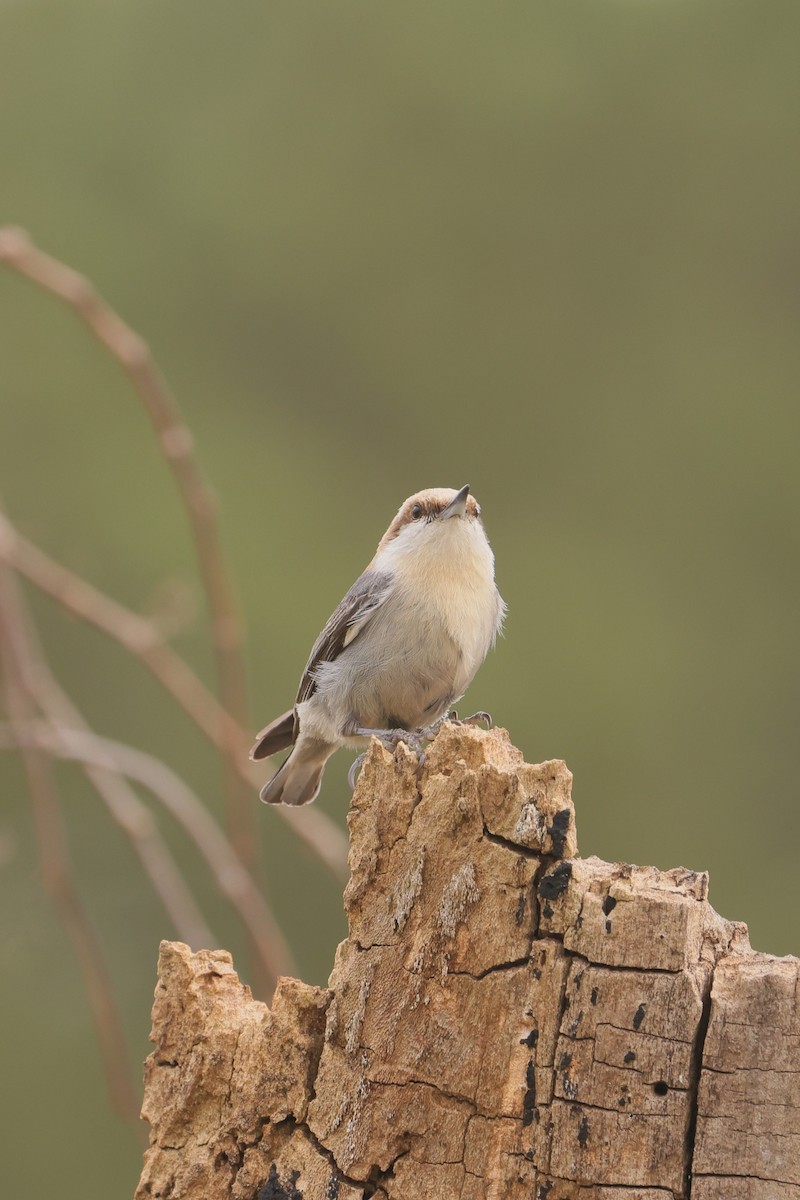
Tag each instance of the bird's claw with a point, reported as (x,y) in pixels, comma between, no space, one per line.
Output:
(354,770)
(390,739)
(428,732)
(479,718)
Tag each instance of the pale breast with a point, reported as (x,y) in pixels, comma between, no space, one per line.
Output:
(457,585)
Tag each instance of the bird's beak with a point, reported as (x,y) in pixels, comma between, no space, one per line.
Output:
(457,506)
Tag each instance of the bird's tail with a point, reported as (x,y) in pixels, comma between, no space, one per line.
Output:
(298,780)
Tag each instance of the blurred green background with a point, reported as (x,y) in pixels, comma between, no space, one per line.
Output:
(551,249)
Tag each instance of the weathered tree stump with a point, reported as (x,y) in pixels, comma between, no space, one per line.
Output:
(505,1020)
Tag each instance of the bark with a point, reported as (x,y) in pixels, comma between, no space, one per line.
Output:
(505,1020)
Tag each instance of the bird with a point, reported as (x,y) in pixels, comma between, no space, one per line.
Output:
(401,648)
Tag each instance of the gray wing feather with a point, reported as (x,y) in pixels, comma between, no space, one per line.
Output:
(360,604)
(278,735)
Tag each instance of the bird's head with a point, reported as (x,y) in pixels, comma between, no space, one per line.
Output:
(431,520)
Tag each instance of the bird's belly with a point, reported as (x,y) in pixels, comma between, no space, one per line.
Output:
(397,674)
(409,690)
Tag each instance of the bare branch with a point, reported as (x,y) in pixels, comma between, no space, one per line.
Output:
(230,875)
(143,639)
(57,876)
(121,800)
(140,636)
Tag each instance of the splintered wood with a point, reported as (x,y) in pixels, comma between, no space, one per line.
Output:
(505,1021)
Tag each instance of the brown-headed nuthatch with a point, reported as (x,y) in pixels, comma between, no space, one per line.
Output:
(400,649)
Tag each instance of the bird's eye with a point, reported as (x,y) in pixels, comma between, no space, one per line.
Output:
(416,512)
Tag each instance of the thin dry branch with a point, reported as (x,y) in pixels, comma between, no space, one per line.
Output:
(142,638)
(176,443)
(57,877)
(121,800)
(228,872)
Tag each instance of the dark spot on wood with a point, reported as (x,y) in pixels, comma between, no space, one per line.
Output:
(277,1189)
(531,1039)
(544,1191)
(569,1086)
(529,1099)
(229,1158)
(558,831)
(609,904)
(548,910)
(629,1057)
(553,884)
(608,927)
(575,1024)
(577,979)
(661,1088)
(332,1190)
(519,912)
(583,1133)
(594,996)
(638,1016)
(377,1177)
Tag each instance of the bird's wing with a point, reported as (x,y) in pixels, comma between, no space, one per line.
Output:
(278,735)
(357,609)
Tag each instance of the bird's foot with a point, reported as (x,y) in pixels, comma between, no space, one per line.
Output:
(355,769)
(415,739)
(390,739)
(427,733)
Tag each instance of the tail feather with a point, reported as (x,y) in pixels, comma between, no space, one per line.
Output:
(298,780)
